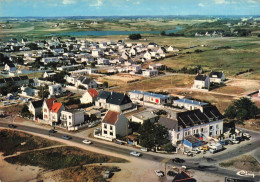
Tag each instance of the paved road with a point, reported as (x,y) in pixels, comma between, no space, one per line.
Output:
(208,165)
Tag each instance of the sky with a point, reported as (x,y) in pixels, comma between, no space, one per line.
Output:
(52,8)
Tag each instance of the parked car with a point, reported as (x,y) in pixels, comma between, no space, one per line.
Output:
(52,131)
(134,153)
(107,174)
(88,142)
(144,149)
(12,126)
(66,137)
(195,151)
(228,141)
(223,142)
(159,173)
(236,141)
(246,135)
(178,160)
(119,143)
(204,147)
(171,173)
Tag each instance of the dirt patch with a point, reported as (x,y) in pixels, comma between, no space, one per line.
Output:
(244,162)
(241,86)
(252,124)
(84,173)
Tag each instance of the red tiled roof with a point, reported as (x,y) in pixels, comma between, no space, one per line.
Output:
(111,117)
(93,93)
(56,107)
(50,102)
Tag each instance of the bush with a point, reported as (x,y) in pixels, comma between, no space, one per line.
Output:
(135,36)
(169,147)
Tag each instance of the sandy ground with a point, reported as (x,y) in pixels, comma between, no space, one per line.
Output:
(13,172)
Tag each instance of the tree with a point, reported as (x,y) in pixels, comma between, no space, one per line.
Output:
(230,112)
(25,112)
(135,36)
(152,135)
(163,33)
(242,109)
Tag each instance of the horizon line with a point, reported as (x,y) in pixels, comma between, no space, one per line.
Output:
(114,16)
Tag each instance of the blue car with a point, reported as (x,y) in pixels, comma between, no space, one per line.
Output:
(66,137)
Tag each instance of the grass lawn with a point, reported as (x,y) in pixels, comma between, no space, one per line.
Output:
(244,162)
(159,83)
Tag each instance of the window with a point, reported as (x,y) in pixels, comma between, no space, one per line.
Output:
(197,131)
(216,132)
(178,136)
(45,116)
(202,130)
(210,133)
(69,123)
(111,133)
(111,127)
(45,110)
(105,132)
(211,127)
(105,125)
(217,126)
(69,117)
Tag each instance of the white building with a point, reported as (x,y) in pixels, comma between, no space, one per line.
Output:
(71,118)
(113,124)
(189,104)
(35,107)
(150,73)
(201,82)
(89,96)
(10,67)
(113,101)
(143,116)
(48,74)
(217,77)
(49,59)
(206,124)
(134,68)
(51,111)
(86,82)
(55,89)
(149,97)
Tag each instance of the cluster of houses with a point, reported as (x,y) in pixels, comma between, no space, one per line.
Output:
(128,57)
(115,110)
(193,118)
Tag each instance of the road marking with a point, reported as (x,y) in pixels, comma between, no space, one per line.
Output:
(165,160)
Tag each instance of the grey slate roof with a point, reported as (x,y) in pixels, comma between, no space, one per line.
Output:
(218,74)
(169,123)
(201,77)
(196,117)
(114,97)
(37,104)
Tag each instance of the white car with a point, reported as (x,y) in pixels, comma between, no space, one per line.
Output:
(134,153)
(87,142)
(144,149)
(246,135)
(159,173)
(235,141)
